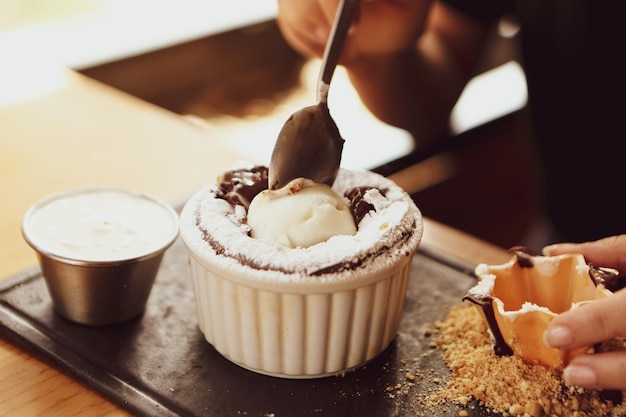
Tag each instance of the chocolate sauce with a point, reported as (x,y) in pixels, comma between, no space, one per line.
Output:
(613,396)
(358,206)
(500,348)
(605,276)
(485,301)
(524,256)
(240,186)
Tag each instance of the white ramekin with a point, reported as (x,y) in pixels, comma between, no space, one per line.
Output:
(274,324)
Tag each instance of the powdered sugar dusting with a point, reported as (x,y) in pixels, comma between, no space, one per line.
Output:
(486,281)
(211,226)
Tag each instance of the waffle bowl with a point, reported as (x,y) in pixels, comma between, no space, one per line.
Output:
(518,300)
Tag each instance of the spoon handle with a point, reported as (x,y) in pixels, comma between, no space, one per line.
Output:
(339,32)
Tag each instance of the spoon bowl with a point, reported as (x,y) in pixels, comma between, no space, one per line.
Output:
(309,145)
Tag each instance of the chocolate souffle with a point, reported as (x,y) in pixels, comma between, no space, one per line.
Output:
(300,312)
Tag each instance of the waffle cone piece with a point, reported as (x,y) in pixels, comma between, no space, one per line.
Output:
(518,300)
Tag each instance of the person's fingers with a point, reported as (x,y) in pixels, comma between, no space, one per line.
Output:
(380,28)
(305,42)
(589,324)
(329,9)
(595,322)
(608,252)
(304,25)
(601,370)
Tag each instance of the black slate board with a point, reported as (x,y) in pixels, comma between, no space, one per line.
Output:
(160,365)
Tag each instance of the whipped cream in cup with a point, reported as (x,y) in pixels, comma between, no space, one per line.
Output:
(99,249)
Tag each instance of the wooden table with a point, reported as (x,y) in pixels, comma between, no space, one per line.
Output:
(60,130)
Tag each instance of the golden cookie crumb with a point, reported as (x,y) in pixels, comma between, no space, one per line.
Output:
(506,384)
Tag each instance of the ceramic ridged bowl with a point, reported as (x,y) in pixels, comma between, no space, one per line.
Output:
(319,318)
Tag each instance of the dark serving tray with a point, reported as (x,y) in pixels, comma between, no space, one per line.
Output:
(160,365)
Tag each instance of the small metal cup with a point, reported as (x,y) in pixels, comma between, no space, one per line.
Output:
(98,292)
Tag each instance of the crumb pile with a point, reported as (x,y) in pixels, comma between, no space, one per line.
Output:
(507,384)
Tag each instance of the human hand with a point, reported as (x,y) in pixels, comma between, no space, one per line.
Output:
(596,322)
(382,27)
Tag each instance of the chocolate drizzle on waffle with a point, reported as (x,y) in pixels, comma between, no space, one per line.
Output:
(525,259)
(524,256)
(485,301)
(608,277)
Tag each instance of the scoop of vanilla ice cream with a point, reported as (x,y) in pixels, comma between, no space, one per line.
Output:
(300,214)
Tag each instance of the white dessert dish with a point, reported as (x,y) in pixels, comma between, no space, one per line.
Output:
(302,312)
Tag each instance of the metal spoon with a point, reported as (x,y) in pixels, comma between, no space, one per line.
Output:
(309,145)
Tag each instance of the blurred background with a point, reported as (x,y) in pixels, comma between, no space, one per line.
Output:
(225,67)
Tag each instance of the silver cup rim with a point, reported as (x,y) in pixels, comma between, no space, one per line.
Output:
(88,189)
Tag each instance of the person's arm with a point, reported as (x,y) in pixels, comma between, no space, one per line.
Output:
(409,60)
(416,88)
(596,322)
